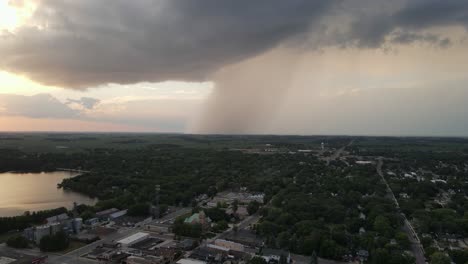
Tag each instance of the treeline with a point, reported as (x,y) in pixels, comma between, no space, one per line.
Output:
(27,219)
(126,178)
(334,212)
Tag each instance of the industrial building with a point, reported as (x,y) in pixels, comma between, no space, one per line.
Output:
(190,261)
(133,239)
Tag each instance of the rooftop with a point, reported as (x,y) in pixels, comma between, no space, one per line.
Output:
(133,238)
(190,261)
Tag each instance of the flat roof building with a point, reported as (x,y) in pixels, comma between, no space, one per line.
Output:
(133,239)
(190,261)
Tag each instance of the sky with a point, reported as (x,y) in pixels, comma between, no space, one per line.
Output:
(307,67)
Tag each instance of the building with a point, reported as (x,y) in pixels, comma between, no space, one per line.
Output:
(274,255)
(363,255)
(199,218)
(77,225)
(159,227)
(246,237)
(104,215)
(57,218)
(13,258)
(145,260)
(187,244)
(133,239)
(117,214)
(92,221)
(364,162)
(229,244)
(36,233)
(218,249)
(190,261)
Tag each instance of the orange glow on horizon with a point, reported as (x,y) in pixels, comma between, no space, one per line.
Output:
(22,124)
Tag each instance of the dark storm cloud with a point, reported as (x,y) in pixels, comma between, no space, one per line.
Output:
(405,37)
(86,43)
(403,24)
(427,13)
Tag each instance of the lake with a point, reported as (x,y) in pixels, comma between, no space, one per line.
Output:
(20,192)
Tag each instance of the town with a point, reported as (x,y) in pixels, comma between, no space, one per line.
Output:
(343,200)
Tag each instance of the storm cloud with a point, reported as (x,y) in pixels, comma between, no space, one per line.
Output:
(76,44)
(85,43)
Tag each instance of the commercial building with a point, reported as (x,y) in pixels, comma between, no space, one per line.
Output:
(57,218)
(36,233)
(229,244)
(159,227)
(190,261)
(133,239)
(117,214)
(145,260)
(104,215)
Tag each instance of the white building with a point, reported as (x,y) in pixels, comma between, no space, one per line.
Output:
(190,261)
(229,244)
(133,239)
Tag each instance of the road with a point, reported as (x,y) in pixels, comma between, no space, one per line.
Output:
(75,257)
(337,153)
(416,247)
(172,216)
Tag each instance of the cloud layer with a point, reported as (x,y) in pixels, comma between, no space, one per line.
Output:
(169,115)
(86,43)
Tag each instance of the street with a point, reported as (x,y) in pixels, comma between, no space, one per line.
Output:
(416,247)
(75,257)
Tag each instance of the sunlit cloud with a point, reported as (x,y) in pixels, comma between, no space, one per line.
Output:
(14,13)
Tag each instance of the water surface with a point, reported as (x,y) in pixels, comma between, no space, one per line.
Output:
(20,192)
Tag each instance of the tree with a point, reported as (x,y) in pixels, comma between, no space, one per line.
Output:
(55,242)
(17,242)
(380,256)
(257,260)
(403,240)
(440,258)
(329,249)
(235,205)
(220,226)
(253,207)
(141,209)
(382,225)
(459,256)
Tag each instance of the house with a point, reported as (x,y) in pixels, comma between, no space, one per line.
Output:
(362,231)
(363,255)
(404,196)
(274,255)
(362,216)
(199,218)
